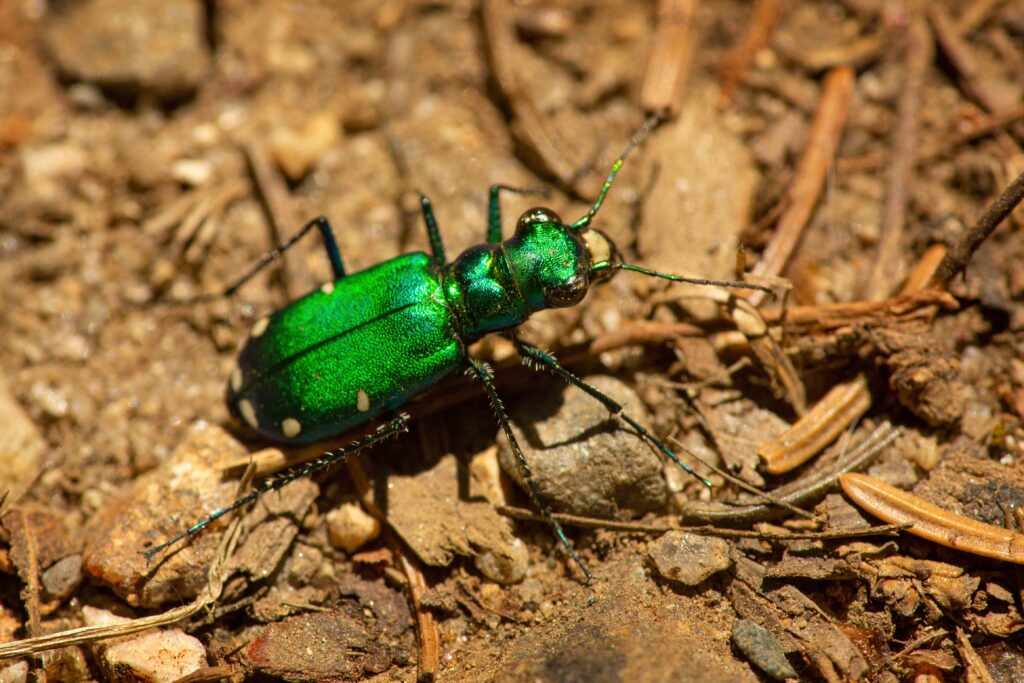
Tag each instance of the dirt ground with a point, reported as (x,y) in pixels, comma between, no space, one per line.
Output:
(841,153)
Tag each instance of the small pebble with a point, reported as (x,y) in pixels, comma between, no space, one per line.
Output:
(61,579)
(689,559)
(349,527)
(761,648)
(323,646)
(49,400)
(48,170)
(298,151)
(192,172)
(155,657)
(506,567)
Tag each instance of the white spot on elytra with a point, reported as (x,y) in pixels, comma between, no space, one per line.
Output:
(291,427)
(362,401)
(328,288)
(260,327)
(236,379)
(248,412)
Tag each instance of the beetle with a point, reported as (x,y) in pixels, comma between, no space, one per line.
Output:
(364,344)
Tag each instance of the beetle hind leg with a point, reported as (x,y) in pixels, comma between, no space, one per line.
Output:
(330,246)
(433,232)
(395,425)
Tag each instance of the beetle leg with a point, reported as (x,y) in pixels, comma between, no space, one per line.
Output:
(333,254)
(529,352)
(494,207)
(486,376)
(393,426)
(433,232)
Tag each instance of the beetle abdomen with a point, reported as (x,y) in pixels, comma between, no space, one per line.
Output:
(344,354)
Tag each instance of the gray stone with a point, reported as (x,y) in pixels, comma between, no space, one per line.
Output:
(585,461)
(762,649)
(689,559)
(61,580)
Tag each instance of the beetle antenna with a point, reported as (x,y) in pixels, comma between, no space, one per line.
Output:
(735,284)
(650,124)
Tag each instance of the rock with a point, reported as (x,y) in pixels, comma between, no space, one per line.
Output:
(180,491)
(583,460)
(324,646)
(689,559)
(761,648)
(427,511)
(21,447)
(150,657)
(132,46)
(349,527)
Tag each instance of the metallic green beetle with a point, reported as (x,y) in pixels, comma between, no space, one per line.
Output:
(366,343)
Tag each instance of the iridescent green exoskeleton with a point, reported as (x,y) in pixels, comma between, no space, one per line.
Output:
(364,344)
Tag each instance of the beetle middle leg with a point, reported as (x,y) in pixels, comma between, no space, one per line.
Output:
(486,376)
(330,246)
(529,352)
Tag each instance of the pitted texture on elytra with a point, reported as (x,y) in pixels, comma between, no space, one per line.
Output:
(382,335)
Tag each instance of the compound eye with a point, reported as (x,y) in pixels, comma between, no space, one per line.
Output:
(569,294)
(537,214)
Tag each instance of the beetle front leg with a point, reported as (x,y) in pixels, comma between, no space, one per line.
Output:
(486,376)
(529,352)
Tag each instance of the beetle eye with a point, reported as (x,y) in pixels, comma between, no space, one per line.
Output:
(537,214)
(569,294)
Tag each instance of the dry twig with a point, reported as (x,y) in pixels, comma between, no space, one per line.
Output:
(811,173)
(737,62)
(797,492)
(844,404)
(669,62)
(960,254)
(641,528)
(919,55)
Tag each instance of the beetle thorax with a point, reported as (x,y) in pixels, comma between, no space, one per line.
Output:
(497,286)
